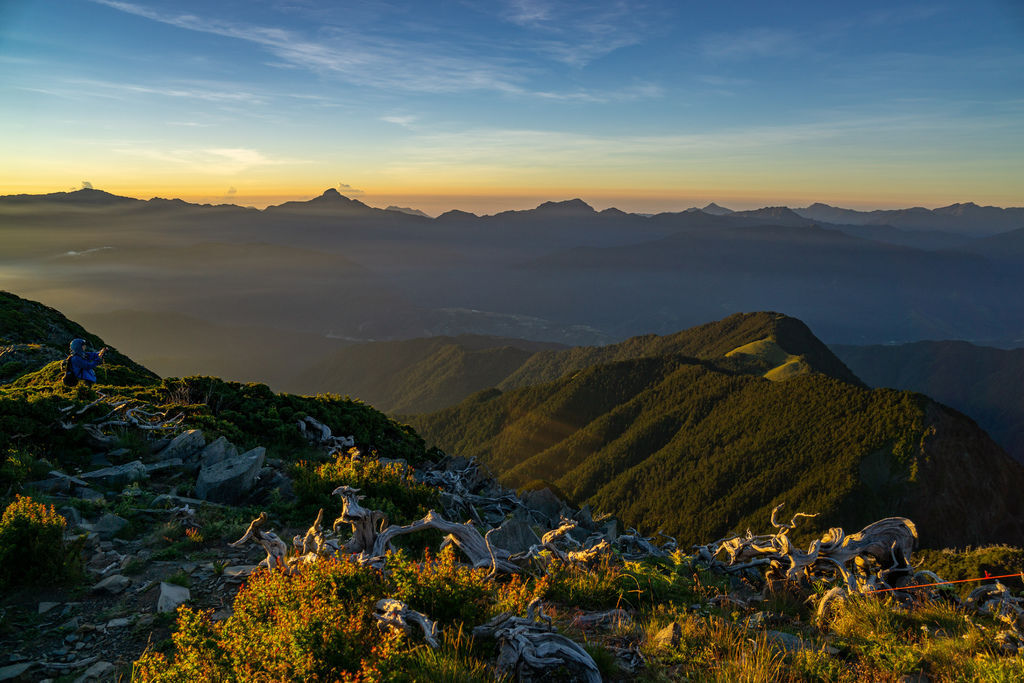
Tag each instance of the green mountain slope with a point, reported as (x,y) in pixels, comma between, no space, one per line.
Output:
(33,335)
(699,447)
(730,337)
(418,375)
(983,382)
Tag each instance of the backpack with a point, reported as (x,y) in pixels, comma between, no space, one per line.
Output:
(69,377)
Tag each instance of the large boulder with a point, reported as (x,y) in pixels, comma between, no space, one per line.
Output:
(217,451)
(117,476)
(229,480)
(514,536)
(544,503)
(184,446)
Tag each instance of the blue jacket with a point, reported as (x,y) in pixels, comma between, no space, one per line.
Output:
(83,365)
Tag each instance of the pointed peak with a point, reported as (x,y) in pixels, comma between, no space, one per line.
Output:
(716,210)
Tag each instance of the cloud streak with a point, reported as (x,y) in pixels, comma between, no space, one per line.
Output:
(358,58)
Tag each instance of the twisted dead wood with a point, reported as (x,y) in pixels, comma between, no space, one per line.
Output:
(530,650)
(277,551)
(366,524)
(396,616)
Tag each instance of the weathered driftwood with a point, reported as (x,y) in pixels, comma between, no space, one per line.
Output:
(610,617)
(122,414)
(530,650)
(366,524)
(464,536)
(315,539)
(874,558)
(396,616)
(277,551)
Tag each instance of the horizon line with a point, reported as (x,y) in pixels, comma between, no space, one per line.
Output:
(392,206)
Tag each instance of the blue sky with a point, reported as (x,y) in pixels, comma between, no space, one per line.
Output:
(489,105)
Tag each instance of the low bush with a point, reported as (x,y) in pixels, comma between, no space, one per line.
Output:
(32,548)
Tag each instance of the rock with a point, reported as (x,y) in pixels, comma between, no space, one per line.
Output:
(514,536)
(113,584)
(229,480)
(45,607)
(914,678)
(118,476)
(86,493)
(238,572)
(108,525)
(163,465)
(53,485)
(14,671)
(171,595)
(184,446)
(97,672)
(545,502)
(119,453)
(786,641)
(119,622)
(71,514)
(218,451)
(669,636)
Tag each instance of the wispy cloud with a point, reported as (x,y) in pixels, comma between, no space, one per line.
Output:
(751,44)
(405,121)
(578,33)
(355,56)
(217,160)
(502,150)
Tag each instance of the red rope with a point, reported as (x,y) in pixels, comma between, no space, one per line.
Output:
(946,583)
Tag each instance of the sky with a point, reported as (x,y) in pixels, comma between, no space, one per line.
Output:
(486,105)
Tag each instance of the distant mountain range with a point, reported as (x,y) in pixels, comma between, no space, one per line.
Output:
(702,432)
(338,269)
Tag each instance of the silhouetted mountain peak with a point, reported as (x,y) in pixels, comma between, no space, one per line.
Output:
(457,215)
(716,210)
(571,206)
(406,210)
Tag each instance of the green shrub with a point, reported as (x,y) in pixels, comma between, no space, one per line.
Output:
(387,487)
(32,548)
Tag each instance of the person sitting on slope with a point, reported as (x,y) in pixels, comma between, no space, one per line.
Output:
(83,363)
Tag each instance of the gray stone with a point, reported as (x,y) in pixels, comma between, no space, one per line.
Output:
(184,446)
(545,502)
(171,595)
(108,525)
(53,485)
(97,672)
(170,463)
(218,451)
(14,671)
(119,453)
(785,641)
(514,536)
(119,622)
(86,493)
(669,636)
(113,584)
(45,607)
(71,514)
(229,480)
(118,476)
(238,572)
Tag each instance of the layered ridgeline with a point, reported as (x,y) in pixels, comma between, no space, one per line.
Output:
(690,434)
(980,381)
(419,375)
